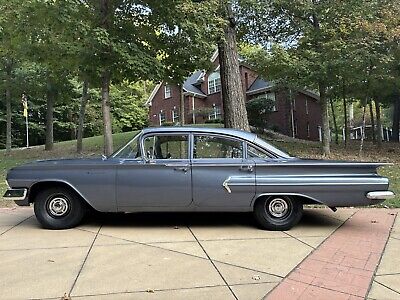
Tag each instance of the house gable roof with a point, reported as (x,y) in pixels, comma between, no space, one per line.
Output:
(153,94)
(260,85)
(192,82)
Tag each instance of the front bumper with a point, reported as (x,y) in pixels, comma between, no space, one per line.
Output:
(380,195)
(19,196)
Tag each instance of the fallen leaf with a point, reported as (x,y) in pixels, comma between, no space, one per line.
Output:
(66,297)
(256,277)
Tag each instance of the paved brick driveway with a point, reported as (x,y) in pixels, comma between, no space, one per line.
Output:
(202,256)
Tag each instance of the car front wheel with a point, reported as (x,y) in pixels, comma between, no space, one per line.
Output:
(278,212)
(58,208)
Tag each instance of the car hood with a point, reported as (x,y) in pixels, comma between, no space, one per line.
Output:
(60,163)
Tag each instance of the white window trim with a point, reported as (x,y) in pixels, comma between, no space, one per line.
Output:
(175,115)
(307,107)
(215,114)
(214,84)
(167,91)
(161,117)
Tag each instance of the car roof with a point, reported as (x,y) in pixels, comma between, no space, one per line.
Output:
(227,131)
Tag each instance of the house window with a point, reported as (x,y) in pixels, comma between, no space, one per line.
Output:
(161,117)
(268,96)
(214,83)
(175,116)
(306,106)
(167,91)
(215,113)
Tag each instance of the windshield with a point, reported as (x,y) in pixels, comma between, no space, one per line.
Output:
(131,150)
(271,148)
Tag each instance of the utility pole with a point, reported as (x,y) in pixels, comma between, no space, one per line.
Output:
(25,113)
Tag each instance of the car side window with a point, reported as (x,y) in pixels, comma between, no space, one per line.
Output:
(166,146)
(253,152)
(217,147)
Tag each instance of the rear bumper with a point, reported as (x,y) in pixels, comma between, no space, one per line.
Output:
(380,195)
(19,196)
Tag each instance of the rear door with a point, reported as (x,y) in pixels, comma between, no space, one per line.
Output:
(222,176)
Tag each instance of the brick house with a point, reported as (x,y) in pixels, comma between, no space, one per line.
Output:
(203,102)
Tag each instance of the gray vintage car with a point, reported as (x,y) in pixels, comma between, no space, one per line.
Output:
(193,169)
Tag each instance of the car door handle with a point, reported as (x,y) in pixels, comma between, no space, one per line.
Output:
(178,167)
(246,168)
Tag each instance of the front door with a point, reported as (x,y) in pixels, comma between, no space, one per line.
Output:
(161,178)
(222,176)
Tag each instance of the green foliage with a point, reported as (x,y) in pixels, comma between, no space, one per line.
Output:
(258,111)
(128,110)
(214,121)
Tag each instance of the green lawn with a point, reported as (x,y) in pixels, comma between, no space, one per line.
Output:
(93,147)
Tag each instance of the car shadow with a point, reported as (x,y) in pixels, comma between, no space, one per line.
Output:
(311,217)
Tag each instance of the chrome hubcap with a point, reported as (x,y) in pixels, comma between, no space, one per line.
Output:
(58,206)
(278,208)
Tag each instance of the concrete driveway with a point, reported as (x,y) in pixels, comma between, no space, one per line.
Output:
(202,256)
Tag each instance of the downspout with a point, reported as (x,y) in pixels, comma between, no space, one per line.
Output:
(193,112)
(291,112)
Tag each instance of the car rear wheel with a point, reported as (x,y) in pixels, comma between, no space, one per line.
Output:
(58,208)
(278,212)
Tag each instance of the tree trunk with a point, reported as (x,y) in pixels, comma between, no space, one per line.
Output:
(363,129)
(181,105)
(396,119)
(346,118)
(326,134)
(8,106)
(334,122)
(378,123)
(235,114)
(82,111)
(371,113)
(49,117)
(106,108)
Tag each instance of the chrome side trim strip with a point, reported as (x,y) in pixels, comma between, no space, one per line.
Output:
(380,195)
(309,184)
(226,186)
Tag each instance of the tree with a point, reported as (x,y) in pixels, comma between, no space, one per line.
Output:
(132,39)
(235,114)
(258,111)
(321,37)
(82,111)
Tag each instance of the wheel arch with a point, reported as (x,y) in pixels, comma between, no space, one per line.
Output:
(300,197)
(38,186)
